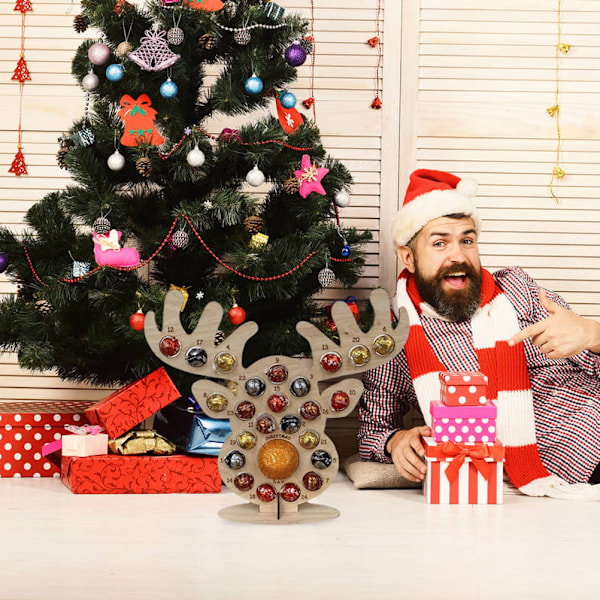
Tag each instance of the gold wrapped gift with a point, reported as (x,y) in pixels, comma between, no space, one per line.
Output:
(141,442)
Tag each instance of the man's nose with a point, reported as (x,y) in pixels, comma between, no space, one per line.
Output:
(456,253)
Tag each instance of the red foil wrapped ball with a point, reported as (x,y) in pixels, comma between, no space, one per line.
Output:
(278,403)
(236,314)
(331,362)
(170,346)
(265,492)
(290,492)
(339,401)
(136,321)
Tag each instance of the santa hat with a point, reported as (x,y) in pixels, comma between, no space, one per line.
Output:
(430,195)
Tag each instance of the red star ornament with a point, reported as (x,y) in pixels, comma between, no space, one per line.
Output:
(310,177)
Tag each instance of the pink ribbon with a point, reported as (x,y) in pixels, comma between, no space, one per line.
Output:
(84,429)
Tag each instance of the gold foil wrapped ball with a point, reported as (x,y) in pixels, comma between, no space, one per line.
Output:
(359,355)
(216,402)
(384,344)
(225,362)
(246,440)
(278,459)
(309,439)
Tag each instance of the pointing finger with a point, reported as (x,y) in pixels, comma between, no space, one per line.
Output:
(526,332)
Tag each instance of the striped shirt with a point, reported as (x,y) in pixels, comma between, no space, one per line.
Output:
(566,392)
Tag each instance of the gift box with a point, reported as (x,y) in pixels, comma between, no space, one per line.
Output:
(114,474)
(463,423)
(463,388)
(84,445)
(25,427)
(463,473)
(129,406)
(191,430)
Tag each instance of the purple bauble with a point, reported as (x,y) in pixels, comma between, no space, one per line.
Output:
(99,53)
(3,262)
(295,55)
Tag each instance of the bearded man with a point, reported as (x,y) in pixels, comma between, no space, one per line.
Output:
(541,358)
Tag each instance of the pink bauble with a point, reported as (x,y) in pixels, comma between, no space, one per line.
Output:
(99,53)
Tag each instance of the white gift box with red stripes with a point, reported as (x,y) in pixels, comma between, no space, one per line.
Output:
(463,473)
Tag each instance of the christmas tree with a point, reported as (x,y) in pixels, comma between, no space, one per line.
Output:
(247,216)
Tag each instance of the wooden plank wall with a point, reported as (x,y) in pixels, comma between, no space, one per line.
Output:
(344,84)
(477,79)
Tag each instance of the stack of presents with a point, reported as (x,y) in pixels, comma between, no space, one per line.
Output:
(464,458)
(108,448)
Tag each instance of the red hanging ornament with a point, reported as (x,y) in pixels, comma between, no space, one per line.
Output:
(236,314)
(373,41)
(21,73)
(136,320)
(205,5)
(18,164)
(138,117)
(308,102)
(289,118)
(377,104)
(23,6)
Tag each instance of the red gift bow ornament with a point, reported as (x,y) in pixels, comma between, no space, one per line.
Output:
(460,452)
(230,135)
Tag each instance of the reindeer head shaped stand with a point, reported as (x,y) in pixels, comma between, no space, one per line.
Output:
(278,456)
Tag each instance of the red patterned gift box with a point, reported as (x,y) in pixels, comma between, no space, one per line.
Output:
(25,426)
(463,388)
(114,474)
(129,406)
(463,473)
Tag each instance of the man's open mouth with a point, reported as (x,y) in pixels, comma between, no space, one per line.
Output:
(456,280)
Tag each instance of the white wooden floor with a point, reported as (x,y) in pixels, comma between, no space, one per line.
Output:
(386,544)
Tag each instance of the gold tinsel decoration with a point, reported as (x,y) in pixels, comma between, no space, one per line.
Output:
(253,224)
(144,166)
(208,41)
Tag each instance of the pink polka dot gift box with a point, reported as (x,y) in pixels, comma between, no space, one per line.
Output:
(463,388)
(463,423)
(25,426)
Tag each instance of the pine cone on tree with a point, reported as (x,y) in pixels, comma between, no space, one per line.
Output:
(60,156)
(308,44)
(80,24)
(253,224)
(208,41)
(144,166)
(291,186)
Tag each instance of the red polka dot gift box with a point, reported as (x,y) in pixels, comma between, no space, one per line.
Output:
(463,423)
(25,426)
(463,388)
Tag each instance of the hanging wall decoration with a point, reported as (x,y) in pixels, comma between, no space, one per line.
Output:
(138,117)
(375,42)
(21,74)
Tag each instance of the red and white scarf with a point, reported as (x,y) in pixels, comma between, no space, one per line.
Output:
(506,367)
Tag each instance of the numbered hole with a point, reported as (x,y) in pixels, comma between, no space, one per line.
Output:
(244,482)
(225,362)
(277,373)
(359,355)
(309,439)
(300,386)
(265,492)
(245,410)
(339,401)
(384,345)
(169,346)
(290,424)
(265,424)
(235,460)
(196,356)
(321,459)
(255,386)
(312,481)
(290,492)
(278,403)
(331,362)
(246,440)
(216,402)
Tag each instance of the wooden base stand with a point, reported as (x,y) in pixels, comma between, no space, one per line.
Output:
(307,512)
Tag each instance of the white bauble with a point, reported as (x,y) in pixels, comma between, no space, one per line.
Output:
(115,161)
(195,157)
(90,82)
(342,199)
(255,177)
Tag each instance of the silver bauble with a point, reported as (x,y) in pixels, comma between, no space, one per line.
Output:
(115,161)
(180,239)
(326,277)
(255,177)
(342,199)
(195,157)
(175,36)
(90,82)
(242,37)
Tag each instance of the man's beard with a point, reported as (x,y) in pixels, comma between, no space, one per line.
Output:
(456,304)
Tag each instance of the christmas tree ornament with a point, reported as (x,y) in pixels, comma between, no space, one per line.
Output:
(295,55)
(205,5)
(236,314)
(255,177)
(342,199)
(219,337)
(564,48)
(21,73)
(289,118)
(44,307)
(310,177)
(308,103)
(136,320)
(101,225)
(254,84)
(154,53)
(308,43)
(288,100)
(3,262)
(138,116)
(84,137)
(258,241)
(376,104)
(208,41)
(326,277)
(230,135)
(180,239)
(200,295)
(80,268)
(108,252)
(184,292)
(90,82)
(351,302)
(195,157)
(80,24)
(121,6)
(18,166)
(99,53)
(123,49)
(60,157)
(253,224)
(291,186)
(346,250)
(175,36)
(169,89)
(115,72)
(143,166)
(242,36)
(229,9)
(116,161)
(273,11)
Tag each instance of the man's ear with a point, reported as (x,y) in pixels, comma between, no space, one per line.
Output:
(406,257)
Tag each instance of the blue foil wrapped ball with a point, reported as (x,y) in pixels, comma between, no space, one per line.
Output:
(253,85)
(295,55)
(169,89)
(115,72)
(346,250)
(288,100)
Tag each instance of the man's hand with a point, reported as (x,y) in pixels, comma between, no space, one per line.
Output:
(562,334)
(406,450)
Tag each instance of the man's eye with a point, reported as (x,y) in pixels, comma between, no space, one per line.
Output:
(438,244)
(467,241)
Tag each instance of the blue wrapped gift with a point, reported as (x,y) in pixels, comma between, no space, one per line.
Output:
(207,435)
